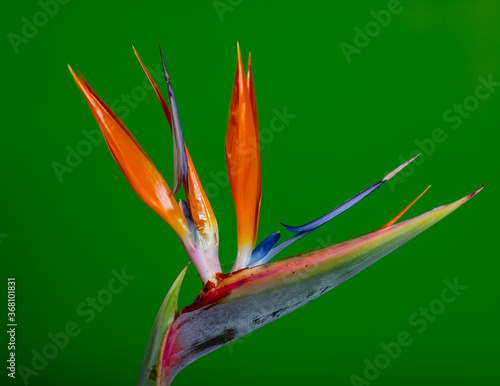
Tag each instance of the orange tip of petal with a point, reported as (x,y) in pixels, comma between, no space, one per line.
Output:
(393,221)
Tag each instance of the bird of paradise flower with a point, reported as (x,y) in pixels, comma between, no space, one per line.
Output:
(256,291)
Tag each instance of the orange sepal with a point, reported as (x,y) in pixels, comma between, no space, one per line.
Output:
(393,221)
(243,162)
(201,210)
(133,161)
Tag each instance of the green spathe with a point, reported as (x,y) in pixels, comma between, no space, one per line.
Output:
(252,298)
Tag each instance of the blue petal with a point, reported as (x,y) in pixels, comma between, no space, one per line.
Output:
(310,226)
(180,156)
(305,229)
(263,248)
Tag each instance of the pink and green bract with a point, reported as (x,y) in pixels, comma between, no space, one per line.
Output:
(256,291)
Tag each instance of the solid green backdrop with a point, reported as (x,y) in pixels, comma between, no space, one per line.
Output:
(358,87)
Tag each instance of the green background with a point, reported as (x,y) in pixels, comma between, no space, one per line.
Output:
(61,240)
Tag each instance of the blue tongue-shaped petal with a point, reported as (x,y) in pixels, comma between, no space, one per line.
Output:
(180,157)
(310,226)
(305,229)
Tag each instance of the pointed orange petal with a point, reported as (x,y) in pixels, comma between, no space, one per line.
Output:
(133,161)
(393,221)
(243,164)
